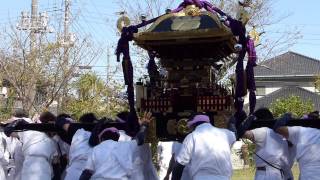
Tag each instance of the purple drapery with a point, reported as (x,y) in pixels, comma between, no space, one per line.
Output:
(200,4)
(251,85)
(124,49)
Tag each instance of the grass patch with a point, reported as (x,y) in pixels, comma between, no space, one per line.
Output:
(248,173)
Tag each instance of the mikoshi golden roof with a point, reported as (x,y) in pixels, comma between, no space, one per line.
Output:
(197,33)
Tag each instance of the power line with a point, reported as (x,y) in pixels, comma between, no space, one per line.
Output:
(283,32)
(285,24)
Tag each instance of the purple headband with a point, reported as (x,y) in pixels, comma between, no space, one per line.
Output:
(198,118)
(112,129)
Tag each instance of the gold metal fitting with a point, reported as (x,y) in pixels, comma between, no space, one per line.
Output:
(192,10)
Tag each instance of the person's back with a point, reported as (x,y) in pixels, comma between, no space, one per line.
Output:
(3,161)
(111,160)
(143,167)
(38,150)
(272,154)
(34,142)
(207,149)
(16,158)
(176,147)
(307,141)
(78,154)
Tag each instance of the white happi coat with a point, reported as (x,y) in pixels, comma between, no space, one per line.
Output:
(164,154)
(79,152)
(207,151)
(16,158)
(176,147)
(3,160)
(63,147)
(38,150)
(273,149)
(124,137)
(112,160)
(307,141)
(143,167)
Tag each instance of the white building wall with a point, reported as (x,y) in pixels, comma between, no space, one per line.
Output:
(273,89)
(311,89)
(268,91)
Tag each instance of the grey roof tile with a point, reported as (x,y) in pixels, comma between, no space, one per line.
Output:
(288,64)
(289,91)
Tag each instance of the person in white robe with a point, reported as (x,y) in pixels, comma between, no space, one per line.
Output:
(14,146)
(80,147)
(274,156)
(112,159)
(142,158)
(61,157)
(38,150)
(307,142)
(16,158)
(3,160)
(78,155)
(176,147)
(207,151)
(164,152)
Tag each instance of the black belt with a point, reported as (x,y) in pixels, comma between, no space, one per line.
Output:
(261,168)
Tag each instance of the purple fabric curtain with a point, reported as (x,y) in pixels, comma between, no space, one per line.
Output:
(252,58)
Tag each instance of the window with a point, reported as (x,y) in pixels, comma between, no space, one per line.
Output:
(261,91)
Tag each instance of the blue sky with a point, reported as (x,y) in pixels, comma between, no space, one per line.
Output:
(97,19)
(305,16)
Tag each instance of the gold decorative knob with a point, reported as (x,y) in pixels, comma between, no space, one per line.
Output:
(123,21)
(255,35)
(192,10)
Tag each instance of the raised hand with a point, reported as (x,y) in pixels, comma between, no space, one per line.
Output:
(146,118)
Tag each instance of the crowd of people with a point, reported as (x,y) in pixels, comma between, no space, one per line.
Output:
(110,153)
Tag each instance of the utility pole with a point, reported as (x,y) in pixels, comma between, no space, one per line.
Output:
(35,24)
(66,22)
(67,42)
(34,20)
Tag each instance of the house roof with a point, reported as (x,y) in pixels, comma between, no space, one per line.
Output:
(289,91)
(288,64)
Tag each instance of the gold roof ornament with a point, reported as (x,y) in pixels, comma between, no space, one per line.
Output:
(192,10)
(123,21)
(255,35)
(188,36)
(221,4)
(243,15)
(246,3)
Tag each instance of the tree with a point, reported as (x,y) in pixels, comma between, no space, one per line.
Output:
(38,75)
(317,84)
(6,105)
(92,94)
(292,104)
